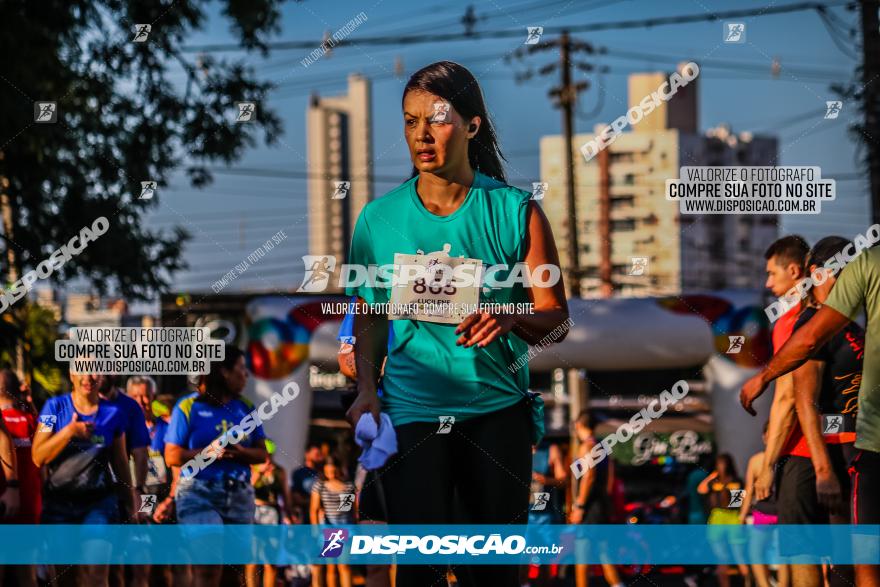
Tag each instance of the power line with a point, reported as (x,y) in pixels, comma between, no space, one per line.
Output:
(500,34)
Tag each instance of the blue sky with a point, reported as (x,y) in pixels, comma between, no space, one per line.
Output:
(237,213)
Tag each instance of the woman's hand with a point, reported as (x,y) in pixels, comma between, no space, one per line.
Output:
(217,449)
(481,328)
(365,402)
(576,516)
(80,429)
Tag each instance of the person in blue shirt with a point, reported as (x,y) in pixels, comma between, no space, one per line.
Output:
(80,440)
(220,492)
(142,390)
(137,437)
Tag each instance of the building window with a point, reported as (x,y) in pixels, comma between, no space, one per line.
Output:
(618,202)
(625,225)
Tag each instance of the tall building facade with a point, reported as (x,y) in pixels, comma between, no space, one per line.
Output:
(339,149)
(683,251)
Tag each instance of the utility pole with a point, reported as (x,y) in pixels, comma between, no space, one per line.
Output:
(870,22)
(606,286)
(567,97)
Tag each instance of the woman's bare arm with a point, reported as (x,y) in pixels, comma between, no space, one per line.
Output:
(549,303)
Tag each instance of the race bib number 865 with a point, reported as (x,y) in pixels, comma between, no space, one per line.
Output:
(434,287)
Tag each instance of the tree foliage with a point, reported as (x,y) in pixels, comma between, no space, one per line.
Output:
(127,112)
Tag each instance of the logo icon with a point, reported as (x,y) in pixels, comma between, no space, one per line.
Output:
(148,189)
(47,423)
(539,189)
(141,32)
(347,339)
(346,501)
(832,423)
(639,266)
(533,34)
(148,503)
(736,497)
(446,423)
(247,111)
(341,190)
(45,112)
(334,542)
(540,501)
(441,112)
(734,32)
(318,272)
(832,109)
(736,344)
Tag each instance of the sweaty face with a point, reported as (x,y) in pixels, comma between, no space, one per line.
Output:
(781,278)
(437,136)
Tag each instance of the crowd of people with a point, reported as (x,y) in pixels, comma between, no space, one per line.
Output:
(820,457)
(103,454)
(820,463)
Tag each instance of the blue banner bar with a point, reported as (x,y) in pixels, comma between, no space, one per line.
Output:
(407,544)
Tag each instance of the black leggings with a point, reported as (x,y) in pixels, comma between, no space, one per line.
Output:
(483,467)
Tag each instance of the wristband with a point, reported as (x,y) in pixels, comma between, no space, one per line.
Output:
(12,483)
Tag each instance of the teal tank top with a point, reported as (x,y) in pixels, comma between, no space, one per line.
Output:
(426,374)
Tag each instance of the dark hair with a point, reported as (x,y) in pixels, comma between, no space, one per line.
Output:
(453,82)
(214,380)
(332,459)
(588,419)
(822,251)
(10,384)
(731,466)
(788,249)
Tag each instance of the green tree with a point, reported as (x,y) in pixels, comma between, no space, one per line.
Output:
(47,376)
(124,115)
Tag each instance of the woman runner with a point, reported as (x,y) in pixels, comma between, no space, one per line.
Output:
(221,492)
(80,440)
(464,420)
